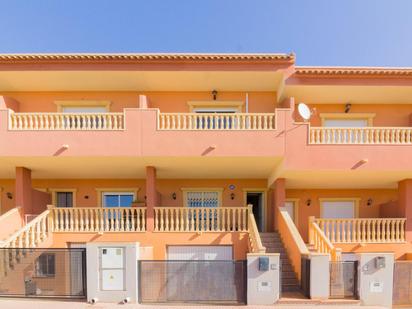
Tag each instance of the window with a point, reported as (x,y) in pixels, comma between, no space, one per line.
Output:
(346,123)
(84,109)
(117,199)
(64,199)
(339,208)
(202,199)
(46,265)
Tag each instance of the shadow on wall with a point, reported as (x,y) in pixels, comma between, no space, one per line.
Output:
(40,200)
(390,210)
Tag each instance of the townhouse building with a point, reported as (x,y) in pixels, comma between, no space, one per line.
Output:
(198,157)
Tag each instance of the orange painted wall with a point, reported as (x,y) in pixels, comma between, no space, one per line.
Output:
(401,250)
(166,187)
(7,185)
(160,241)
(397,115)
(379,196)
(165,101)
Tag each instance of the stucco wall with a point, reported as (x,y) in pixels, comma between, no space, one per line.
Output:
(165,101)
(378,197)
(397,115)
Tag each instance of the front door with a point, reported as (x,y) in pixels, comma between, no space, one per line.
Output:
(256,200)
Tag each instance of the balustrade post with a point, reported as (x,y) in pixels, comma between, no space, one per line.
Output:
(311,221)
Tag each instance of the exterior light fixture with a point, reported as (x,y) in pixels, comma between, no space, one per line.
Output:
(347,107)
(308,202)
(232,196)
(174,195)
(9,195)
(370,201)
(214,94)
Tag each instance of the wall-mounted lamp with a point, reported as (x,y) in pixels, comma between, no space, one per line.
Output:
(214,94)
(308,202)
(348,107)
(9,195)
(174,195)
(86,197)
(232,196)
(369,202)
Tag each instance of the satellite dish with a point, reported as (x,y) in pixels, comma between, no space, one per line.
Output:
(304,111)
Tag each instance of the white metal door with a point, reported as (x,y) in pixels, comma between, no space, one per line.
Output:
(200,253)
(338,209)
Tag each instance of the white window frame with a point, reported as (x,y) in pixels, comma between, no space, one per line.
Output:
(219,192)
(119,193)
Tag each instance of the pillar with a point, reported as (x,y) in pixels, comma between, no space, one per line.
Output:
(151,197)
(143,103)
(23,189)
(278,198)
(404,207)
(376,278)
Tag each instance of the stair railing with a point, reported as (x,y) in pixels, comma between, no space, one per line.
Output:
(29,236)
(255,243)
(321,242)
(294,245)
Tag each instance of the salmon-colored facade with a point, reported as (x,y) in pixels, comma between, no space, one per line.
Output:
(214,133)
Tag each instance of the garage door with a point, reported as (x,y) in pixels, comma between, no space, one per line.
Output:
(201,253)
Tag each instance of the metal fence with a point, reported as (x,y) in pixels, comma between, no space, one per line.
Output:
(344,279)
(43,272)
(402,283)
(218,282)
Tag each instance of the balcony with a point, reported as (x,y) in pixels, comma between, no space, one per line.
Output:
(214,121)
(327,235)
(361,136)
(66,121)
(133,219)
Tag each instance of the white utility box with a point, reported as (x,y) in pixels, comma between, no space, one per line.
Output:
(112,271)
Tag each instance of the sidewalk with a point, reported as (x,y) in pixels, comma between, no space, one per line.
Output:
(61,304)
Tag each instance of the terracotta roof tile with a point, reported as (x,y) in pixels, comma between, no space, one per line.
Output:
(350,71)
(143,56)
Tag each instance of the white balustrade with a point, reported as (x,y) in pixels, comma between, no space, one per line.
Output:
(202,219)
(216,121)
(29,236)
(320,242)
(255,242)
(365,135)
(98,219)
(66,121)
(363,230)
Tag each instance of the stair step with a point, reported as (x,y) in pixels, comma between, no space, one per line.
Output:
(291,288)
(288,274)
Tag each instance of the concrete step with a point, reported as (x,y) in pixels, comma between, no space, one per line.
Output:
(288,274)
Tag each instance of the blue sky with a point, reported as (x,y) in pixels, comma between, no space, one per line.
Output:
(320,32)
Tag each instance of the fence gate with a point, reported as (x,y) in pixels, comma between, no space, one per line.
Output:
(43,272)
(218,282)
(344,279)
(402,283)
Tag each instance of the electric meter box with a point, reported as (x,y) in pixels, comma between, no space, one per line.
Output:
(112,268)
(112,271)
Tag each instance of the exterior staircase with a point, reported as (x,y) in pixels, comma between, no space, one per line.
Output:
(273,244)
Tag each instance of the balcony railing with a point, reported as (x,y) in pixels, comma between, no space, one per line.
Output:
(216,121)
(365,136)
(66,121)
(99,219)
(368,230)
(202,219)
